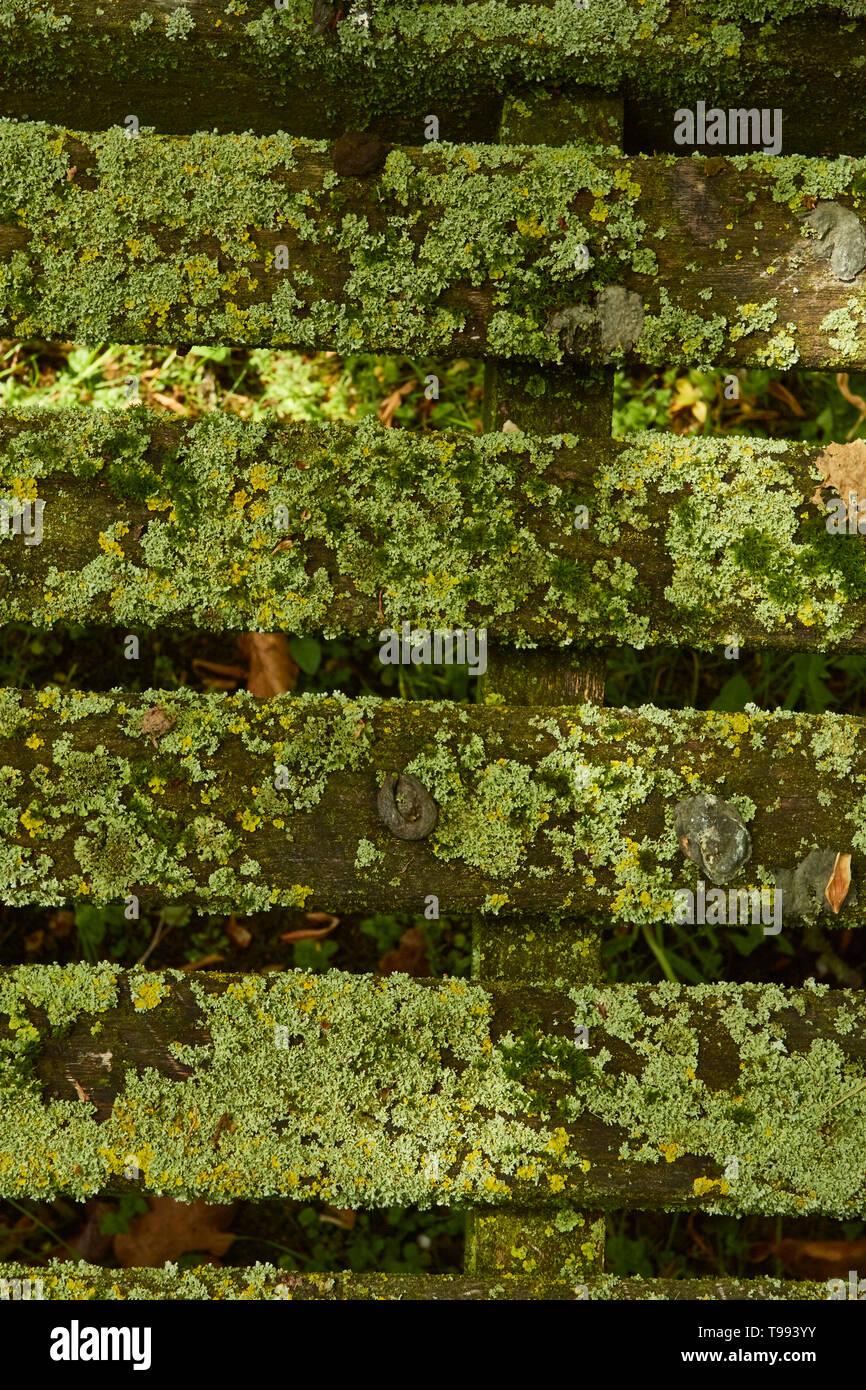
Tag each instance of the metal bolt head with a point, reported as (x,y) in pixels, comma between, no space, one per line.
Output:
(712,833)
(406,807)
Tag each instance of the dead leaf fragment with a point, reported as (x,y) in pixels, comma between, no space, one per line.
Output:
(315,931)
(844,470)
(410,957)
(203,961)
(812,1259)
(840,881)
(392,403)
(169,1229)
(156,722)
(271,668)
(238,934)
(339,1216)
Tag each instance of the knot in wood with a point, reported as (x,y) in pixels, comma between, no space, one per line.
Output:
(406,807)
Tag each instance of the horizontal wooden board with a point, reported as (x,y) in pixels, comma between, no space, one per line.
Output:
(536,253)
(238,804)
(83,1282)
(224,524)
(366,1091)
(265,69)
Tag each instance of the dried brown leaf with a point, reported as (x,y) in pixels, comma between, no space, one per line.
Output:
(343,1217)
(392,403)
(169,1229)
(840,881)
(410,957)
(844,470)
(238,934)
(313,933)
(156,722)
(271,668)
(213,959)
(812,1259)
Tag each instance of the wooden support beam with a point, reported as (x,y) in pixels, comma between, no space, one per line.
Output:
(371,1092)
(266,69)
(238,804)
(510,252)
(226,524)
(83,1282)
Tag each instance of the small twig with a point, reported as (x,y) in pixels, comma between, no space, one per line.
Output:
(162,929)
(847,1096)
(52,1234)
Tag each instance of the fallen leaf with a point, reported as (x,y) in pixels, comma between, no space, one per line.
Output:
(156,722)
(410,957)
(169,1229)
(239,935)
(287,544)
(208,671)
(339,1216)
(214,959)
(271,668)
(393,402)
(170,402)
(79,1089)
(782,393)
(812,1259)
(840,881)
(313,932)
(844,469)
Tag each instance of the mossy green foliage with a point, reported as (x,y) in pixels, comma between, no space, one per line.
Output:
(391,1092)
(441,530)
(159,238)
(201,797)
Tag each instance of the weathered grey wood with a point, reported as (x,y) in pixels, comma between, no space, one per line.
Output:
(374,1092)
(445,249)
(155,523)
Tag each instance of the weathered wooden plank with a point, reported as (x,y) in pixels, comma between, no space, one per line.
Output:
(224,524)
(237,804)
(210,65)
(531,253)
(84,1282)
(370,1092)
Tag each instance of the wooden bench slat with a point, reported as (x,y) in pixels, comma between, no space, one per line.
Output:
(447,249)
(152,524)
(370,1092)
(238,804)
(264,68)
(83,1282)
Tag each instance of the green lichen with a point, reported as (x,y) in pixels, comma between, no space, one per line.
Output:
(159,238)
(218,528)
(560,809)
(370,1092)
